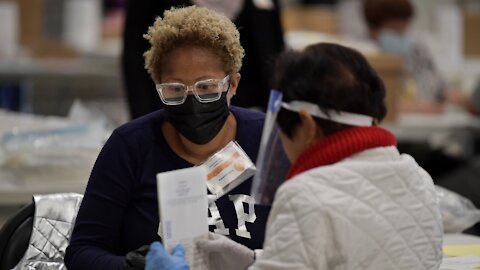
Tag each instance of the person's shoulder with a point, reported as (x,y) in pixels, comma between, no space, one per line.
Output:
(144,126)
(243,114)
(249,123)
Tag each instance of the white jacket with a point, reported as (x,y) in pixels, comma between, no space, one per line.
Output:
(374,210)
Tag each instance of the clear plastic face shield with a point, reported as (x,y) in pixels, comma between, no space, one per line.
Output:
(272,162)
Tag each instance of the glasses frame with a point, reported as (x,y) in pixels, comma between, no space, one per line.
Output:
(192,88)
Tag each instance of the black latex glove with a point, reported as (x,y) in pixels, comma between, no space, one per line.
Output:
(135,260)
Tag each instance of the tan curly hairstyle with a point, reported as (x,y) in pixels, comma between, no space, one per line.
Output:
(193,26)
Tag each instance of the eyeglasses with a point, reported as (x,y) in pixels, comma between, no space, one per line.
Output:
(205,91)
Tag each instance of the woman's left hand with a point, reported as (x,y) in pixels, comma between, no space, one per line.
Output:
(159,259)
(224,253)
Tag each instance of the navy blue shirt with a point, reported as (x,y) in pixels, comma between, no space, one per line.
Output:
(119,212)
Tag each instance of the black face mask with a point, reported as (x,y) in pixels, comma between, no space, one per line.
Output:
(198,122)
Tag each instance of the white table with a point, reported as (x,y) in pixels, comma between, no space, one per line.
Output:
(453,131)
(460,239)
(420,127)
(14,194)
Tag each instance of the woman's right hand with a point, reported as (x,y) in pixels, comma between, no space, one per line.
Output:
(159,259)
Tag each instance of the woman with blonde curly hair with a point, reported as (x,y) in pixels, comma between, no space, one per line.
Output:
(260,35)
(194,59)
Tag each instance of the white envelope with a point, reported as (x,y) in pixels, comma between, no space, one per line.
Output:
(183,206)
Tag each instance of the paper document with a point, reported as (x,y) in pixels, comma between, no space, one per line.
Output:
(461,250)
(183,206)
(461,263)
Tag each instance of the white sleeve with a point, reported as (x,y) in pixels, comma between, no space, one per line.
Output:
(289,226)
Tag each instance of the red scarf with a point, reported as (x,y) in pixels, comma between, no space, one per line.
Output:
(341,145)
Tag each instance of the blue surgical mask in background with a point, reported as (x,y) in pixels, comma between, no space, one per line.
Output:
(394,42)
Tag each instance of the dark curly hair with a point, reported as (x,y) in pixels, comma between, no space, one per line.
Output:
(377,12)
(331,76)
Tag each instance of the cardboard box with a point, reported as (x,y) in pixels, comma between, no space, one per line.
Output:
(313,17)
(390,69)
(30,22)
(471,22)
(33,33)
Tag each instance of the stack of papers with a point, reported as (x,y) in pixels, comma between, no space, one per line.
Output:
(470,262)
(461,250)
(461,257)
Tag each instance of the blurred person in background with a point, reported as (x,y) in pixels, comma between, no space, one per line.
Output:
(351,200)
(113,5)
(388,23)
(261,35)
(113,18)
(192,50)
(424,89)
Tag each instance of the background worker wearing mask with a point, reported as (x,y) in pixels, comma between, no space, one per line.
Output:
(192,50)
(388,24)
(425,90)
